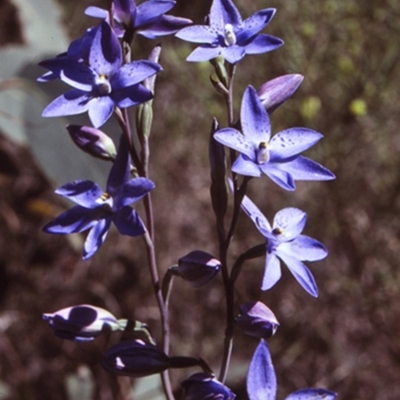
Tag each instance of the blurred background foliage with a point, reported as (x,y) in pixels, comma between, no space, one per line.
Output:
(346,341)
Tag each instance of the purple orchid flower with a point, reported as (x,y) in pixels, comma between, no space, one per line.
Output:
(262,385)
(96,209)
(286,243)
(201,386)
(147,19)
(277,157)
(228,36)
(102,84)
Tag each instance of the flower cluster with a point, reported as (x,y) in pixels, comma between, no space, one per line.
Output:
(104,81)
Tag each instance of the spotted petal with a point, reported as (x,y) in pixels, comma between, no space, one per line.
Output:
(133,73)
(290,221)
(235,140)
(255,23)
(73,102)
(291,142)
(224,12)
(198,34)
(256,215)
(105,53)
(254,119)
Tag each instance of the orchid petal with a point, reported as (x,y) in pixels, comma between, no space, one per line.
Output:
(96,237)
(83,193)
(254,119)
(279,176)
(100,110)
(235,140)
(131,96)
(166,25)
(72,102)
(204,53)
(133,190)
(105,54)
(304,248)
(255,23)
(224,12)
(291,142)
(272,271)
(246,167)
(263,43)
(233,54)
(134,73)
(128,222)
(255,214)
(290,222)
(198,34)
(77,219)
(150,11)
(302,274)
(304,169)
(261,379)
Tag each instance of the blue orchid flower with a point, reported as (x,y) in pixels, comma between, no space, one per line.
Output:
(277,157)
(147,19)
(285,242)
(96,209)
(227,35)
(201,386)
(102,83)
(262,385)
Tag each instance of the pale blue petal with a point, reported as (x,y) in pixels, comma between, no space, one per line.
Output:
(246,167)
(224,12)
(254,119)
(290,221)
(198,34)
(272,271)
(255,214)
(73,102)
(233,54)
(291,142)
(304,248)
(96,12)
(235,140)
(134,73)
(263,44)
(279,176)
(204,53)
(302,274)
(305,169)
(261,379)
(100,110)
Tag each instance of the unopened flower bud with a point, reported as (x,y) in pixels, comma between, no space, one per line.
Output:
(202,386)
(197,267)
(93,141)
(135,358)
(274,92)
(83,322)
(256,319)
